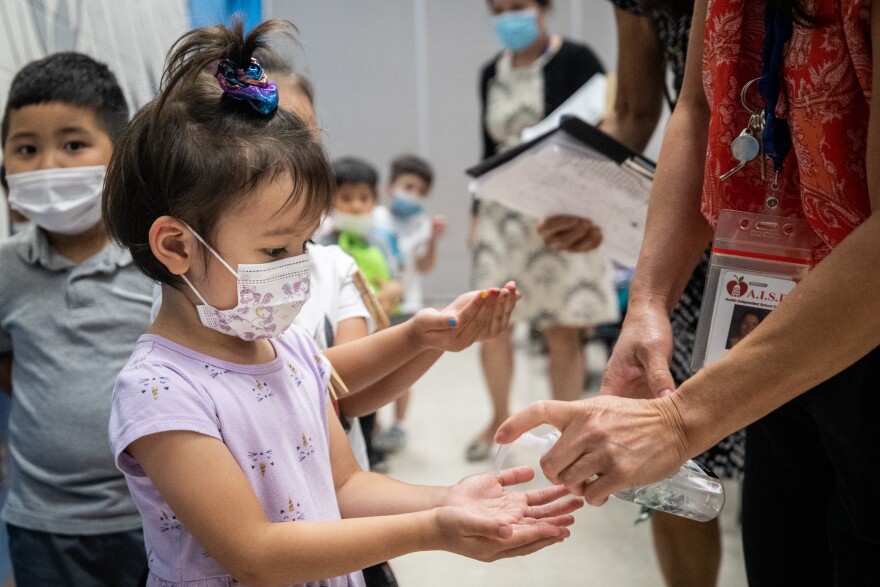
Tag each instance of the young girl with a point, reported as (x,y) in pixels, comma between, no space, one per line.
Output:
(221,426)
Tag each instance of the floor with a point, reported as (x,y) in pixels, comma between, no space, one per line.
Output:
(606,549)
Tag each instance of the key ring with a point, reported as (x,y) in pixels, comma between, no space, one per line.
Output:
(743,96)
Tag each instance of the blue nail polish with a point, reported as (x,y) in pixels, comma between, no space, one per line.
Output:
(453,322)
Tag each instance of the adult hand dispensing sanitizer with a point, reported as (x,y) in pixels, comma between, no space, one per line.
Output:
(690,493)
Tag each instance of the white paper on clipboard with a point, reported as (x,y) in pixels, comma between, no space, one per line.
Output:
(588,104)
(560,175)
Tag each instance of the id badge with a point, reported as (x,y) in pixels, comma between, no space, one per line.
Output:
(757,260)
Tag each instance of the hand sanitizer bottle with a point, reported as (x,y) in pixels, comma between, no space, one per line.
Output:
(690,493)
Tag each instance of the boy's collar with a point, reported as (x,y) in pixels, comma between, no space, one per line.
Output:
(34,248)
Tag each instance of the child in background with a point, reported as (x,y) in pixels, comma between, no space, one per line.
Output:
(72,305)
(220,424)
(374,250)
(416,234)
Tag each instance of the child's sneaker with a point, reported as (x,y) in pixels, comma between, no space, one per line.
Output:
(391,440)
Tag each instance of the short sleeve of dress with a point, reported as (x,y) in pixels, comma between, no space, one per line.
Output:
(153,397)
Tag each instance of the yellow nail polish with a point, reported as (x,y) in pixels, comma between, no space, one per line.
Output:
(484,295)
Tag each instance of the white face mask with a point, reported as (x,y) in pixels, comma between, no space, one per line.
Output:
(66,200)
(359,224)
(270,295)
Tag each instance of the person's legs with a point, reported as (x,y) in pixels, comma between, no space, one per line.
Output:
(787,487)
(393,438)
(496,357)
(375,455)
(565,362)
(400,407)
(689,552)
(107,560)
(846,410)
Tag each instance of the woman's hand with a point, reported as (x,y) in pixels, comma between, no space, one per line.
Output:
(472,317)
(639,364)
(608,443)
(570,233)
(485,521)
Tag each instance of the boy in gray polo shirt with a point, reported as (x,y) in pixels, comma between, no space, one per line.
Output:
(72,306)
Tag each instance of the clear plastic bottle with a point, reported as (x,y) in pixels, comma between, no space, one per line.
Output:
(690,493)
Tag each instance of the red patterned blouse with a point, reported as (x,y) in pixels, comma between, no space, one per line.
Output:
(825,97)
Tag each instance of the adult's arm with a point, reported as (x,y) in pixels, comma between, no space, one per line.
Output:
(638,101)
(675,236)
(824,326)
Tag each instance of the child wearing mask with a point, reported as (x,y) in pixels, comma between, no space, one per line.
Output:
(374,249)
(416,233)
(220,424)
(72,305)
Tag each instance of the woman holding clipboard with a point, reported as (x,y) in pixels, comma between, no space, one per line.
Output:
(563,292)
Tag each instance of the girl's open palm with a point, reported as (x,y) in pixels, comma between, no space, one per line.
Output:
(486,521)
(487,494)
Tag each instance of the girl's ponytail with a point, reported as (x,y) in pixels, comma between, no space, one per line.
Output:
(225,53)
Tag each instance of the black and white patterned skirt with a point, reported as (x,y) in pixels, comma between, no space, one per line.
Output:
(727,458)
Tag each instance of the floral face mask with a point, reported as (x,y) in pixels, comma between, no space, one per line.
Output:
(270,295)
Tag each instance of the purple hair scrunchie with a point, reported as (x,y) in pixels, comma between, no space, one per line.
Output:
(250,84)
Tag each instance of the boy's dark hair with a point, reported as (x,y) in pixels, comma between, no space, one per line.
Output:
(194,151)
(70,78)
(351,170)
(411,164)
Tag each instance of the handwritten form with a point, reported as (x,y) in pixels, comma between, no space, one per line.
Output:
(562,176)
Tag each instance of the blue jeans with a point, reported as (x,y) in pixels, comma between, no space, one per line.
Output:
(41,559)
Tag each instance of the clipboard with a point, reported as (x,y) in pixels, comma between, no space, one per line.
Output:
(583,132)
(574,169)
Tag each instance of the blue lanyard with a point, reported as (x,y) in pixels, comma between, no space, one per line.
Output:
(777,32)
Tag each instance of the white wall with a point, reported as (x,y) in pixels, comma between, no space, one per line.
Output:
(401,75)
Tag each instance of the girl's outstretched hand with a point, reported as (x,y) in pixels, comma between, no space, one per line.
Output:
(484,520)
(472,317)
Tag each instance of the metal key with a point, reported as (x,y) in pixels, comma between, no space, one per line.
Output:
(757,125)
(744,148)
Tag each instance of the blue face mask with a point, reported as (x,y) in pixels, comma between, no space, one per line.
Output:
(405,205)
(517,29)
